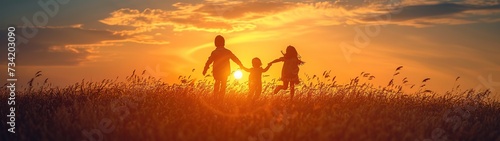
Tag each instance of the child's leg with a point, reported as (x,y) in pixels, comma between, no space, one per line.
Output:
(216,88)
(292,89)
(284,87)
(223,84)
(251,91)
(258,90)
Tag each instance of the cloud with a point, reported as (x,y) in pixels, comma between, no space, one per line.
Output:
(186,17)
(213,16)
(244,10)
(62,46)
(438,14)
(442,9)
(422,11)
(220,16)
(260,20)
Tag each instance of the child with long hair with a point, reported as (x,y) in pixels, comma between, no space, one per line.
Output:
(290,70)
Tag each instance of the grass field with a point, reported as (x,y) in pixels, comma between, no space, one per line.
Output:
(144,108)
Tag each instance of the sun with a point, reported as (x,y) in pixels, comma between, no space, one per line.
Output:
(238,74)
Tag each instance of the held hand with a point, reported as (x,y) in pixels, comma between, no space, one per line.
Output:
(243,68)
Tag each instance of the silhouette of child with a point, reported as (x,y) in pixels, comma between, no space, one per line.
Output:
(255,78)
(290,70)
(221,68)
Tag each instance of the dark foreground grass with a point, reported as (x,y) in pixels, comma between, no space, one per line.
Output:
(144,108)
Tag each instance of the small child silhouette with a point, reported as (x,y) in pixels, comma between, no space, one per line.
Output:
(255,78)
(290,70)
(221,68)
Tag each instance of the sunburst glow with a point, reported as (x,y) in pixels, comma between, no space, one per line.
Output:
(238,74)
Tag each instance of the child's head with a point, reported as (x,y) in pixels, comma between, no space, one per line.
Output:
(290,52)
(256,62)
(219,41)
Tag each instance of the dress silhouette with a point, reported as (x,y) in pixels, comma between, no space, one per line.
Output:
(290,70)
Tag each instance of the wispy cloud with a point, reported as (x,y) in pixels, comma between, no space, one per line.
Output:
(63,46)
(235,16)
(439,14)
(268,19)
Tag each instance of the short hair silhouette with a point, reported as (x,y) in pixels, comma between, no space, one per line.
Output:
(255,78)
(219,59)
(219,41)
(256,62)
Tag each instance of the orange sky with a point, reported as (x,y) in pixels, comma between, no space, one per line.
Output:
(430,38)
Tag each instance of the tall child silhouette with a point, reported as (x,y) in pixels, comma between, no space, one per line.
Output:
(221,68)
(290,70)
(255,78)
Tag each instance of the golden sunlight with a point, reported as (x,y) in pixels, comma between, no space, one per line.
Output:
(238,74)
